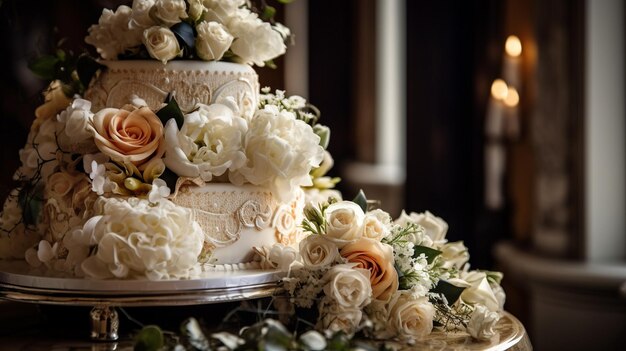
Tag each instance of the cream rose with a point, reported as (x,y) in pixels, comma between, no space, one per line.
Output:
(435,227)
(378,259)
(344,221)
(60,184)
(482,322)
(348,287)
(54,101)
(140,17)
(169,12)
(411,317)
(113,34)
(376,225)
(128,136)
(318,252)
(212,41)
(454,254)
(335,318)
(161,43)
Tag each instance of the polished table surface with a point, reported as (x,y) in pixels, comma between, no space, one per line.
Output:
(32,327)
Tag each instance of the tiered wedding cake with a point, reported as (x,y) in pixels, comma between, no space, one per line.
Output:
(164,168)
(163,160)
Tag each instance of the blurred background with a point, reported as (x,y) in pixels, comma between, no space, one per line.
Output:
(505,118)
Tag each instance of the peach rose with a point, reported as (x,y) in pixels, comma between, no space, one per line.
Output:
(378,259)
(133,136)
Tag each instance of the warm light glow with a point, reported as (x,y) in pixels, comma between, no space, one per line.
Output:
(513,46)
(499,89)
(512,97)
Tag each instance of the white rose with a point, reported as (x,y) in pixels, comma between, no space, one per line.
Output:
(161,43)
(169,12)
(280,152)
(376,224)
(318,252)
(208,144)
(477,290)
(435,227)
(140,17)
(255,41)
(347,286)
(454,254)
(212,41)
(334,318)
(482,322)
(196,8)
(344,221)
(411,317)
(223,10)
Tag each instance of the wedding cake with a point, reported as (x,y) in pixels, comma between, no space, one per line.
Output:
(163,159)
(171,161)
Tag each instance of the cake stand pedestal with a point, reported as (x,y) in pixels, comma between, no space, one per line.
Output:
(18,282)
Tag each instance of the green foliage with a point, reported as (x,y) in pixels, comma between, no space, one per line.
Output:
(324,133)
(361,200)
(150,338)
(451,292)
(171,110)
(315,220)
(430,253)
(31,202)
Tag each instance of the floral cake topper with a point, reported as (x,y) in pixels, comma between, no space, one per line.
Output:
(209,30)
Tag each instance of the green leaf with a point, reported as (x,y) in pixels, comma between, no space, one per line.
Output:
(361,200)
(183,32)
(31,202)
(451,292)
(285,1)
(430,253)
(171,110)
(45,67)
(268,13)
(86,68)
(270,64)
(150,338)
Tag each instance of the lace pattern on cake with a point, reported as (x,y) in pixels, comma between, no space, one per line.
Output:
(115,87)
(223,215)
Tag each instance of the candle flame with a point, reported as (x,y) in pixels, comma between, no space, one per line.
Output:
(513,46)
(512,97)
(499,89)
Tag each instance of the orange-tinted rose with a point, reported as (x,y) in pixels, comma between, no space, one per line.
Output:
(129,136)
(378,259)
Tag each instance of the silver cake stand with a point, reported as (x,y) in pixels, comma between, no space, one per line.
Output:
(18,282)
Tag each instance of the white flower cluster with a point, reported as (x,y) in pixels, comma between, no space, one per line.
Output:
(363,271)
(274,149)
(218,29)
(134,238)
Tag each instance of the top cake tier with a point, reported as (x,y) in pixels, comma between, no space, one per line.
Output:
(190,82)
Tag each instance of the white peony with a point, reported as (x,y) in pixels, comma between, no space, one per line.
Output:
(482,322)
(347,286)
(255,41)
(221,10)
(212,41)
(318,252)
(169,12)
(208,144)
(113,34)
(76,119)
(344,222)
(411,317)
(161,43)
(136,238)
(280,152)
